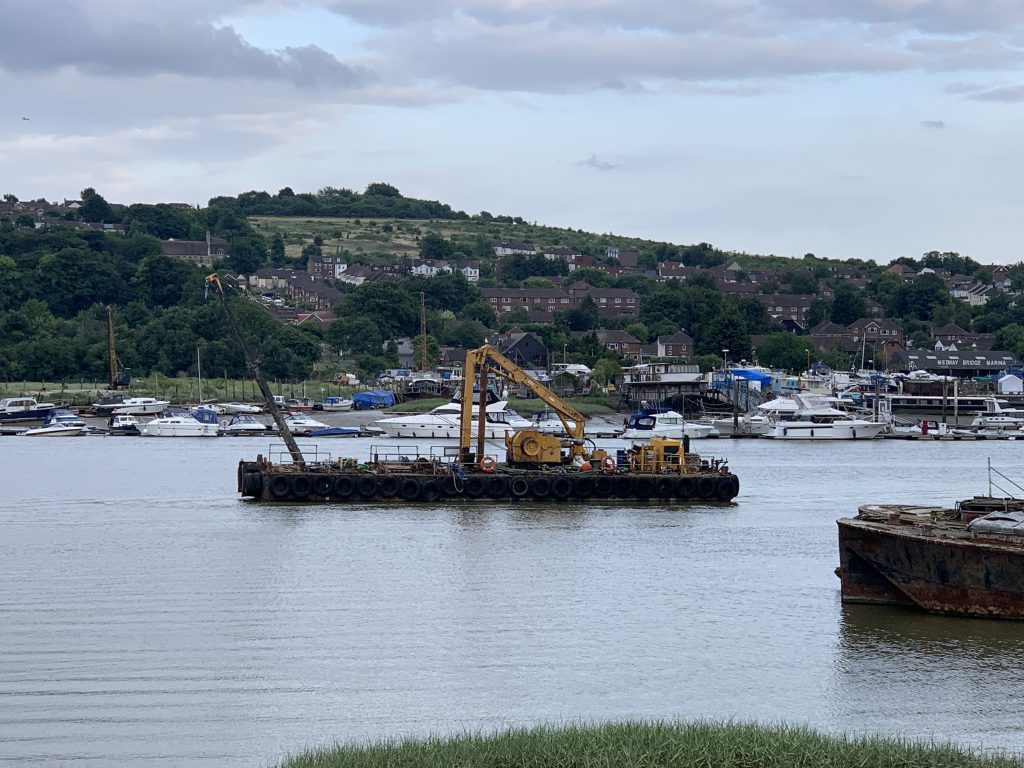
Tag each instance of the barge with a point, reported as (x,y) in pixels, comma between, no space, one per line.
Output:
(965,560)
(537,465)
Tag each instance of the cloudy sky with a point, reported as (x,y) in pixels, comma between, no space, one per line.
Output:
(846,128)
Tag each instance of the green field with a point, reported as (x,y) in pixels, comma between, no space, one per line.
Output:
(653,745)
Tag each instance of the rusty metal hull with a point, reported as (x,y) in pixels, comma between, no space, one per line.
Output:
(940,571)
(267,482)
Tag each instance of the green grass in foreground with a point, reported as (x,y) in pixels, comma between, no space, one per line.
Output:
(653,745)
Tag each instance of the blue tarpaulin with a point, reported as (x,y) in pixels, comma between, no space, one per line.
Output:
(749,375)
(376,398)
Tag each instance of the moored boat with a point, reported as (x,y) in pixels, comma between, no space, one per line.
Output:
(243,424)
(336,403)
(300,423)
(814,419)
(23,409)
(233,408)
(966,560)
(140,406)
(59,423)
(443,422)
(650,423)
(201,422)
(123,424)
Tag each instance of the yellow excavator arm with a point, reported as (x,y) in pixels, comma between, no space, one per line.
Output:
(485,360)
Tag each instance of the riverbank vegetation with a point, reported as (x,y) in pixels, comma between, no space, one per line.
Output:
(653,745)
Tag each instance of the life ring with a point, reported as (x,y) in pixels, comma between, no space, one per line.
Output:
(608,464)
(488,463)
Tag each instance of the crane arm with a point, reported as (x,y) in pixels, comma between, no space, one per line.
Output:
(572,420)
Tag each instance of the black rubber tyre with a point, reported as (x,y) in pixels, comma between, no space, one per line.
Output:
(344,487)
(323,486)
(685,487)
(474,487)
(280,487)
(706,488)
(519,487)
(540,487)
(664,487)
(302,486)
(430,490)
(622,486)
(604,487)
(388,487)
(583,487)
(252,484)
(561,487)
(643,487)
(366,486)
(728,488)
(497,487)
(410,489)
(446,486)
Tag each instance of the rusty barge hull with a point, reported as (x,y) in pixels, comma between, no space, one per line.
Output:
(265,482)
(949,572)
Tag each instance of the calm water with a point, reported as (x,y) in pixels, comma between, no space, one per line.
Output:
(149,617)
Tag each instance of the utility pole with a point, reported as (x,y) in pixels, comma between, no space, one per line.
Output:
(423,333)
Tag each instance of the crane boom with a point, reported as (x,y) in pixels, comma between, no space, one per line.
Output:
(487,358)
(254,369)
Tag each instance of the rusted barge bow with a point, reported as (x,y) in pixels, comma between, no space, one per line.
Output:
(966,560)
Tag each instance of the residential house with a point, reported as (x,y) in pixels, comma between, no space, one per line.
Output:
(470,270)
(884,336)
(514,249)
(612,302)
(507,299)
(787,305)
(952,337)
(620,342)
(679,344)
(965,288)
(201,252)
(303,288)
(331,267)
(902,270)
(523,348)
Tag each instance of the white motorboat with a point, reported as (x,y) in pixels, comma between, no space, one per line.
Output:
(443,422)
(999,415)
(201,422)
(242,424)
(23,409)
(547,421)
(140,406)
(301,423)
(59,423)
(744,424)
(123,424)
(334,403)
(671,424)
(815,419)
(233,408)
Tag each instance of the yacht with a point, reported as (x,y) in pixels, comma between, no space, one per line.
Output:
(652,423)
(301,423)
(243,424)
(443,422)
(999,415)
(24,409)
(59,423)
(140,406)
(123,424)
(201,422)
(744,424)
(813,418)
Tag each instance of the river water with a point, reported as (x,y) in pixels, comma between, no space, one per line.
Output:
(149,617)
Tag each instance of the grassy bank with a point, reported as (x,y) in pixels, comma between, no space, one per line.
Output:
(653,745)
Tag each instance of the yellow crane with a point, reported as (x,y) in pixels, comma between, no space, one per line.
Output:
(527,446)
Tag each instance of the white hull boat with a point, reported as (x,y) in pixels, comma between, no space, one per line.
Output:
(814,419)
(140,406)
(202,422)
(443,423)
(233,408)
(337,404)
(747,424)
(302,423)
(59,423)
(670,424)
(242,424)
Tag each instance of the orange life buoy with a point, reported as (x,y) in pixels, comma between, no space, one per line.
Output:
(488,463)
(608,464)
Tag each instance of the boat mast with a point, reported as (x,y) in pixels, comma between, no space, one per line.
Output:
(199,375)
(423,334)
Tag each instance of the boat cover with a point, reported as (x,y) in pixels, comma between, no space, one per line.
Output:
(1011,522)
(376,398)
(749,375)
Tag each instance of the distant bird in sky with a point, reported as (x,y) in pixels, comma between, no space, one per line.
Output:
(25,118)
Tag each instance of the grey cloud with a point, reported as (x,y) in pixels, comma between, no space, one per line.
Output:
(952,16)
(1010,94)
(79,36)
(935,125)
(598,164)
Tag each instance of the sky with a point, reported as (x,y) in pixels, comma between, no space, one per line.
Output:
(865,129)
